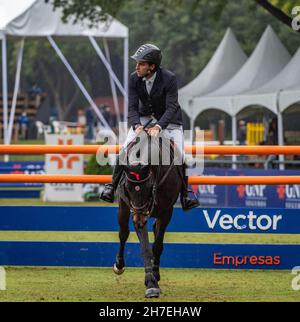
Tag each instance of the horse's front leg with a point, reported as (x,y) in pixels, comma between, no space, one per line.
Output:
(159,229)
(123,219)
(152,287)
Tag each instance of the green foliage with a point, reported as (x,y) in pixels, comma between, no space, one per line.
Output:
(285,5)
(93,167)
(189,38)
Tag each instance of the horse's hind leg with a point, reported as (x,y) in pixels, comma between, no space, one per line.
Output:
(159,229)
(152,288)
(123,219)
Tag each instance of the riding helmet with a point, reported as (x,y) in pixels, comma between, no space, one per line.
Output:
(148,53)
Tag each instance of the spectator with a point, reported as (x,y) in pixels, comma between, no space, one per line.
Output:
(272,139)
(34,90)
(272,136)
(23,123)
(105,110)
(81,121)
(52,120)
(90,120)
(242,133)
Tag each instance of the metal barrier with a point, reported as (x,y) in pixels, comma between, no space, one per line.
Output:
(193,180)
(114,149)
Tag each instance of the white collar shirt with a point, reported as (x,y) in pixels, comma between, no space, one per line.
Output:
(149,82)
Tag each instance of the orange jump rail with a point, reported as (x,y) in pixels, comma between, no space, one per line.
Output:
(194,180)
(114,149)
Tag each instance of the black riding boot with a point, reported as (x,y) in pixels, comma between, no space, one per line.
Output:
(108,193)
(187,203)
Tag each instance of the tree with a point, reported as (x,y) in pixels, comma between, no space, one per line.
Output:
(98,10)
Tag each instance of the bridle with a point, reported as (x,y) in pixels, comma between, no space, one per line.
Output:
(157,182)
(132,206)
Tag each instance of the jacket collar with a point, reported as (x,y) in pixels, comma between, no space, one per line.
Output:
(157,82)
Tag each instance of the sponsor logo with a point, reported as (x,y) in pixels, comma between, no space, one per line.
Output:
(219,259)
(206,194)
(69,159)
(290,194)
(254,195)
(251,191)
(207,189)
(241,221)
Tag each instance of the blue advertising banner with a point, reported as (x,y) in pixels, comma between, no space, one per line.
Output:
(22,167)
(215,220)
(233,256)
(254,196)
(211,195)
(258,196)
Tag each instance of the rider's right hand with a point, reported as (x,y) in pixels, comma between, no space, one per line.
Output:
(138,129)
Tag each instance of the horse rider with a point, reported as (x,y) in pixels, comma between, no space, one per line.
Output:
(153,94)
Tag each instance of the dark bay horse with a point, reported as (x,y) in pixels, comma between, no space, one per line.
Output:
(147,190)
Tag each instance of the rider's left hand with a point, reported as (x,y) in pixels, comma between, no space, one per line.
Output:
(153,131)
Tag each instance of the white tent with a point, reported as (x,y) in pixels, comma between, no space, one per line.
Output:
(266,61)
(35,18)
(266,95)
(10,9)
(290,90)
(277,94)
(40,19)
(226,61)
(289,96)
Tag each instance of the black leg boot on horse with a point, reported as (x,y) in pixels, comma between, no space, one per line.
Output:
(108,193)
(187,203)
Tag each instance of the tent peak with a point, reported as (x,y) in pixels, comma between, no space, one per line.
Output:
(31,23)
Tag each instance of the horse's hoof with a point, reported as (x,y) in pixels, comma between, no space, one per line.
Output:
(152,292)
(117,270)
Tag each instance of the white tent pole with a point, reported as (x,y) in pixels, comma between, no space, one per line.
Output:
(112,84)
(126,71)
(192,124)
(280,131)
(234,140)
(106,64)
(79,83)
(16,89)
(4,88)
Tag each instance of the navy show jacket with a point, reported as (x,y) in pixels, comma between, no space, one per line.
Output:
(162,102)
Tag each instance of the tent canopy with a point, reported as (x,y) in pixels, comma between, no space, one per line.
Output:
(226,61)
(268,94)
(266,61)
(28,17)
(10,9)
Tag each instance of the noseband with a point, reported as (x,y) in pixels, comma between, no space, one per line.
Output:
(132,206)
